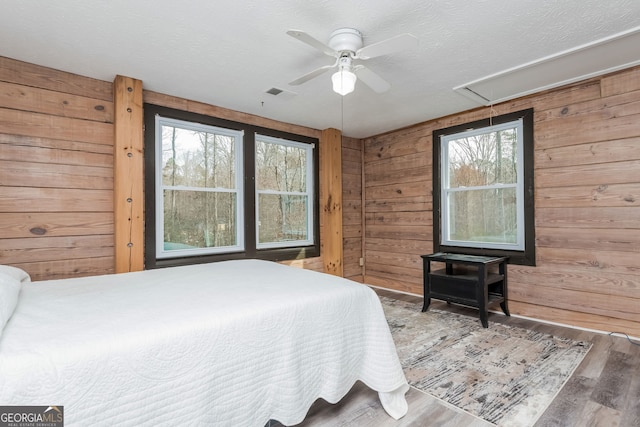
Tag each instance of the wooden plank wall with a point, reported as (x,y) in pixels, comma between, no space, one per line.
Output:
(352,211)
(56,172)
(587,183)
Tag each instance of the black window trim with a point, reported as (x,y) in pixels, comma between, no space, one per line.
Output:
(250,251)
(526,257)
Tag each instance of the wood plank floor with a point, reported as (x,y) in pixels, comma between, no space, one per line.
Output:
(603,391)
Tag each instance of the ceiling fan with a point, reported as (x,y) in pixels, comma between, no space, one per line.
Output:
(345,44)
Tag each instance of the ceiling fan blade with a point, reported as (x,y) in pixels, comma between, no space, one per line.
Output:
(385,47)
(311,75)
(306,38)
(371,79)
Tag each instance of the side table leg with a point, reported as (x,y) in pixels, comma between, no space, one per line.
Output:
(502,269)
(482,294)
(427,302)
(505,308)
(484,318)
(426,268)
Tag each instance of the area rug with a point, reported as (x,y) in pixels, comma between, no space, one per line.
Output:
(505,375)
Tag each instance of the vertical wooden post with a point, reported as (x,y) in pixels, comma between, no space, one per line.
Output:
(331,203)
(128,180)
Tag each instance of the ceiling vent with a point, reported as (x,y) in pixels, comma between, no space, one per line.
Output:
(274,91)
(281,93)
(589,60)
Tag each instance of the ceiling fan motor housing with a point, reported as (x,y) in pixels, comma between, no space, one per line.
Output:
(348,39)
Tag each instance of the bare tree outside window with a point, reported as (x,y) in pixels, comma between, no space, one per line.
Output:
(481,195)
(217,189)
(283,194)
(198,179)
(483,188)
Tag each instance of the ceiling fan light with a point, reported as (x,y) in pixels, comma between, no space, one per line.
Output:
(344,82)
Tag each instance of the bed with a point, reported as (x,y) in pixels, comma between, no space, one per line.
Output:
(234,343)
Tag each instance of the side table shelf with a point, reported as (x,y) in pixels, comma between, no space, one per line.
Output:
(476,287)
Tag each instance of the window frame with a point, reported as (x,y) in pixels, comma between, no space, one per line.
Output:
(309,179)
(161,253)
(247,159)
(446,190)
(524,256)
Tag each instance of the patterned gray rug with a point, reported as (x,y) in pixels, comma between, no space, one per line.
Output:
(505,375)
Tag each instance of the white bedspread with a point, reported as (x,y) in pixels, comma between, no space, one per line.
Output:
(232,344)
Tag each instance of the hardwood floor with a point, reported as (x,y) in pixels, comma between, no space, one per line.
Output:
(603,391)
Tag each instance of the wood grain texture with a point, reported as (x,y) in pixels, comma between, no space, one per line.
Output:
(34,224)
(587,219)
(589,174)
(584,129)
(391,283)
(601,195)
(614,381)
(630,412)
(68,152)
(615,105)
(46,248)
(590,260)
(595,282)
(617,83)
(35,199)
(52,175)
(624,307)
(56,171)
(417,191)
(71,267)
(605,239)
(403,278)
(71,155)
(584,154)
(41,125)
(128,161)
(315,263)
(34,99)
(32,75)
(331,200)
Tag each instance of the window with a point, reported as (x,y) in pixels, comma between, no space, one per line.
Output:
(198,189)
(284,202)
(483,188)
(217,189)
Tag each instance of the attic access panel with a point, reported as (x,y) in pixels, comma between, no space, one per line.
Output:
(589,60)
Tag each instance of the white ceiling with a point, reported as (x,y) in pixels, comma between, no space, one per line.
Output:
(230,52)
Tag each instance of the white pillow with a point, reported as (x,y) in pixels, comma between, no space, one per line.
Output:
(15,272)
(9,291)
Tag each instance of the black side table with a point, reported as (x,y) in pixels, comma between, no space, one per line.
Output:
(476,287)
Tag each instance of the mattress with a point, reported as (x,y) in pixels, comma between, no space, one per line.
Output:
(233,343)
